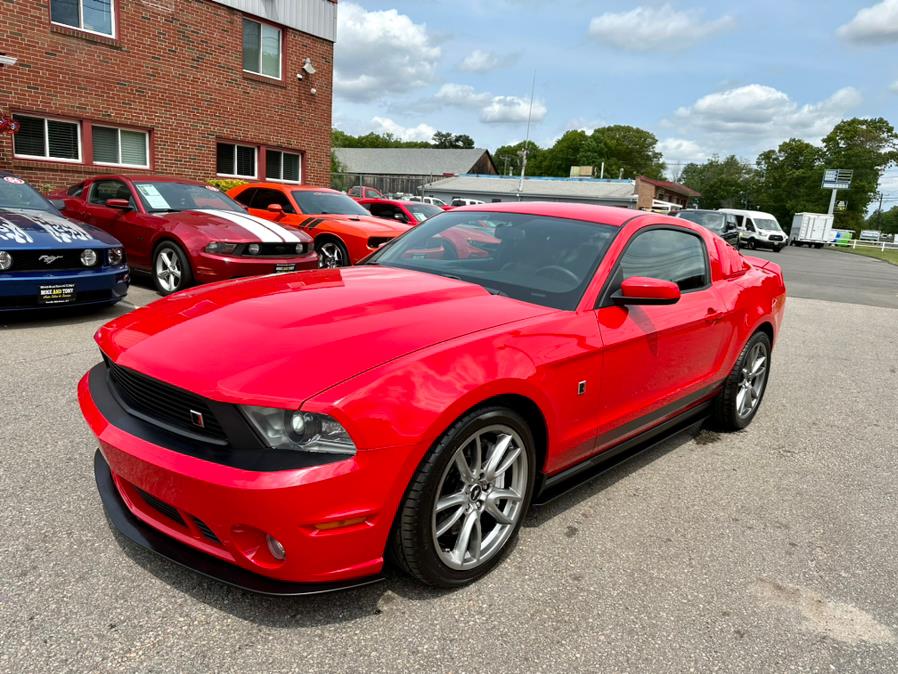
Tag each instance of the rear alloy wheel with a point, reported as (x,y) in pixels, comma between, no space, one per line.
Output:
(744,389)
(467,501)
(332,254)
(171,270)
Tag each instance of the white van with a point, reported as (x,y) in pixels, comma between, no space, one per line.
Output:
(456,202)
(758,229)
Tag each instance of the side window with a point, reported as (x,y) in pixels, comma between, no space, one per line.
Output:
(749,225)
(246,196)
(264,198)
(669,255)
(354,191)
(731,222)
(75,190)
(102,190)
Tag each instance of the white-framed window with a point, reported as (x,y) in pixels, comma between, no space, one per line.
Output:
(284,167)
(236,161)
(261,49)
(92,16)
(113,146)
(47,138)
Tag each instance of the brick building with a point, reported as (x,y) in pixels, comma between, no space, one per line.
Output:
(192,88)
(652,194)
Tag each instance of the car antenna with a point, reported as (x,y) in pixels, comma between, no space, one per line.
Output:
(527,139)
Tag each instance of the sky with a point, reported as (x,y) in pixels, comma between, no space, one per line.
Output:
(706,77)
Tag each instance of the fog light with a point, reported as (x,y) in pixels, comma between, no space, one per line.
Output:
(253,249)
(88,258)
(5,260)
(275,548)
(300,248)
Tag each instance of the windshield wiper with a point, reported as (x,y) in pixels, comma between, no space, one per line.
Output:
(495,291)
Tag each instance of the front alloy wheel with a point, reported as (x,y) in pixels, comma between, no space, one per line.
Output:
(466,503)
(171,271)
(332,254)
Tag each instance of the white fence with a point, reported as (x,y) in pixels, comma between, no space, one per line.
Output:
(857,243)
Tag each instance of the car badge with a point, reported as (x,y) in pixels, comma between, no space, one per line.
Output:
(196,418)
(49,259)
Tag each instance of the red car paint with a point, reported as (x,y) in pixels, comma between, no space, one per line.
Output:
(396,356)
(141,231)
(361,233)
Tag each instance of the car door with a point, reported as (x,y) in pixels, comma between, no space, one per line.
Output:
(265,197)
(657,359)
(98,213)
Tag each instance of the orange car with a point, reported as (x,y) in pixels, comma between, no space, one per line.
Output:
(344,231)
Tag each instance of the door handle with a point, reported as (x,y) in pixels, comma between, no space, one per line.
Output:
(713,316)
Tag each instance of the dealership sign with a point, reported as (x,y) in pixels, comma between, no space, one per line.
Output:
(837,179)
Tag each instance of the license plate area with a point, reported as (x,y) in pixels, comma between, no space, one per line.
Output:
(284,268)
(57,293)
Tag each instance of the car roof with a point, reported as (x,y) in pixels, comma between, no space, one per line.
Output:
(284,187)
(605,215)
(751,214)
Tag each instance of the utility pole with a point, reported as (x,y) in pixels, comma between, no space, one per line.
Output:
(879,219)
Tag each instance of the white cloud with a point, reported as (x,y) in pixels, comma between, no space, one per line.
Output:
(681,151)
(894,87)
(655,28)
(511,109)
(422,132)
(760,115)
(462,95)
(878,23)
(481,61)
(380,52)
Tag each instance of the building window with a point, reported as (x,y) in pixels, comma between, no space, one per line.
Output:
(121,147)
(41,138)
(261,49)
(93,16)
(282,166)
(235,161)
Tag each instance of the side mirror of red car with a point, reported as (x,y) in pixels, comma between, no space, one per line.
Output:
(643,290)
(276,208)
(122,204)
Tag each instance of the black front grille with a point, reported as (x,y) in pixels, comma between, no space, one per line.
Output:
(274,250)
(776,237)
(163,404)
(161,507)
(42,260)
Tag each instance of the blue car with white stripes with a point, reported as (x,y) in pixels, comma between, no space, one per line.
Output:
(183,232)
(50,261)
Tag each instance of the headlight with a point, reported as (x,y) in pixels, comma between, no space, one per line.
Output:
(253,249)
(221,248)
(5,260)
(88,258)
(116,256)
(299,431)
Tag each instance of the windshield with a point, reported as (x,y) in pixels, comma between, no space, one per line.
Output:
(767,225)
(546,261)
(165,197)
(710,219)
(423,211)
(327,203)
(16,193)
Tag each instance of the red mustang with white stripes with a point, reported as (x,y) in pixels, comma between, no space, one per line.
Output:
(183,232)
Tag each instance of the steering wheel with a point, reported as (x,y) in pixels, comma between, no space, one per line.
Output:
(558,270)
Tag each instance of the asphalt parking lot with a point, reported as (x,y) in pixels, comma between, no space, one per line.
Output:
(773,549)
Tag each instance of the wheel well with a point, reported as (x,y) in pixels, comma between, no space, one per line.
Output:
(532,414)
(329,237)
(767,329)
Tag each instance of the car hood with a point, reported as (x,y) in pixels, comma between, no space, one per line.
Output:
(373,226)
(279,340)
(234,226)
(28,229)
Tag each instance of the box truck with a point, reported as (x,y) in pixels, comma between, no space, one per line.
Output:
(811,229)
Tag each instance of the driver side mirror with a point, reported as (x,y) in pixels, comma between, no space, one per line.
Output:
(730,226)
(276,208)
(122,204)
(400,217)
(644,290)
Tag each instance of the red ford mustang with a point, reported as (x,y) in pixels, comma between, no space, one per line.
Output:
(182,231)
(419,403)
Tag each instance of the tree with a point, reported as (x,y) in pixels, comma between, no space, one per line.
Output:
(447,140)
(869,147)
(885,221)
(789,180)
(628,151)
(508,158)
(558,160)
(723,183)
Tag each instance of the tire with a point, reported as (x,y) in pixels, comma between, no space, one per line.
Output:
(752,245)
(332,253)
(426,541)
(730,412)
(171,269)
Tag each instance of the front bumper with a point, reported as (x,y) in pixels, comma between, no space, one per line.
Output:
(21,290)
(209,267)
(333,520)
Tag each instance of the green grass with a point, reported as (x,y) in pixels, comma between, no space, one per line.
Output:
(889,254)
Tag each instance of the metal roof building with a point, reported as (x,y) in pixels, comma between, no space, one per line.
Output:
(413,161)
(490,188)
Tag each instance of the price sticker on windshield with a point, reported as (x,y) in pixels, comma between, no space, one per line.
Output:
(13,180)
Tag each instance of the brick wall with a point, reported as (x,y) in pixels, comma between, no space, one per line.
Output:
(174,68)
